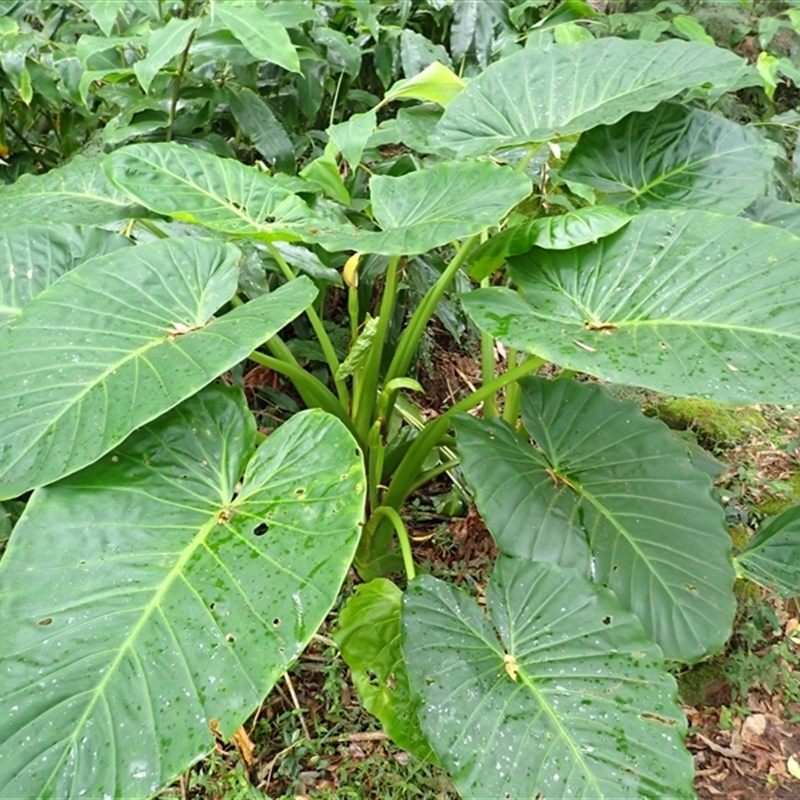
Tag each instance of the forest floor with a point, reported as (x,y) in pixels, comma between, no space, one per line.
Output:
(312,739)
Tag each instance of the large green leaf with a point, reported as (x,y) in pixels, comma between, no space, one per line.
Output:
(432,207)
(610,492)
(561,695)
(417,211)
(368,635)
(538,95)
(150,594)
(687,303)
(33,256)
(219,193)
(772,557)
(673,157)
(77,192)
(116,342)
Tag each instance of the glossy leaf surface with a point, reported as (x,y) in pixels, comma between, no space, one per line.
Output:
(772,557)
(417,211)
(170,597)
(553,697)
(538,95)
(673,157)
(33,256)
(686,303)
(78,191)
(220,194)
(118,341)
(368,635)
(610,492)
(433,207)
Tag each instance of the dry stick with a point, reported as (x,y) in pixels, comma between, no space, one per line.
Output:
(297,705)
(255,719)
(366,736)
(324,640)
(264,785)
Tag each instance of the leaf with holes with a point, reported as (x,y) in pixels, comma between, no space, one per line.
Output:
(368,635)
(34,256)
(686,303)
(171,598)
(554,697)
(538,95)
(118,341)
(609,492)
(673,157)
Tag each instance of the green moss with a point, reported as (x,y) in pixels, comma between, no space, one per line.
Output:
(745,589)
(739,536)
(776,504)
(722,425)
(700,685)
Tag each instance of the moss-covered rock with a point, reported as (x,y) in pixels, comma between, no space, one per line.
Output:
(777,504)
(704,685)
(718,424)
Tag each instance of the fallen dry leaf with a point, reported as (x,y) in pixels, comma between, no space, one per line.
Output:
(244,745)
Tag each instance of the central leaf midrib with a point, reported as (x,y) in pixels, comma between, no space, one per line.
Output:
(663,322)
(561,730)
(174,573)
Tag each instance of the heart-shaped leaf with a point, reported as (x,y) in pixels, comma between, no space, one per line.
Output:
(417,211)
(432,207)
(149,596)
(772,557)
(686,303)
(218,193)
(77,191)
(538,95)
(118,341)
(561,695)
(610,492)
(673,157)
(368,634)
(33,256)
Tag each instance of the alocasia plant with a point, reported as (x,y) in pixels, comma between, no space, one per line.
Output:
(170,564)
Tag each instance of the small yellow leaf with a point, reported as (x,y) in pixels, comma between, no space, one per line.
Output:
(512,668)
(794,767)
(350,271)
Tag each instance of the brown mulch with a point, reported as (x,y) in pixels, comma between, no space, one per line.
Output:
(752,761)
